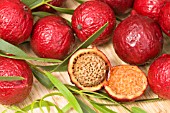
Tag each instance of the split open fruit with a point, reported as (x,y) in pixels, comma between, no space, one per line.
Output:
(90,69)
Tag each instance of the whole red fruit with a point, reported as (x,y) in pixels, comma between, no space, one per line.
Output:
(15,21)
(137,39)
(159,76)
(46,8)
(119,6)
(12,92)
(164,18)
(89,17)
(150,8)
(52,37)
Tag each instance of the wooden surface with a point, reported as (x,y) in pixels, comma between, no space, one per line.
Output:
(38,90)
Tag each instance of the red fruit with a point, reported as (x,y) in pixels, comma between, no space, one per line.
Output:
(15,21)
(150,8)
(12,92)
(52,37)
(89,17)
(47,8)
(159,76)
(119,6)
(164,18)
(137,39)
(126,83)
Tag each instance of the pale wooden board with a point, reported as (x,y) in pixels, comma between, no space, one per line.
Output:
(38,90)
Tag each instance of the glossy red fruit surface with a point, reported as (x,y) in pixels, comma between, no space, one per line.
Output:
(150,8)
(89,17)
(119,6)
(137,39)
(46,8)
(164,18)
(16,21)
(52,37)
(159,76)
(12,92)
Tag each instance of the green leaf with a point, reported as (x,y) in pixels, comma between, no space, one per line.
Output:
(41,77)
(83,45)
(35,3)
(11,78)
(32,58)
(42,14)
(51,67)
(9,48)
(137,110)
(66,93)
(85,108)
(102,109)
(80,1)
(62,10)
(66,108)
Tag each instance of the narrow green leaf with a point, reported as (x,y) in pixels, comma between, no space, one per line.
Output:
(42,14)
(66,108)
(80,1)
(66,93)
(32,58)
(85,108)
(11,78)
(62,10)
(83,45)
(9,48)
(51,67)
(102,109)
(137,110)
(41,77)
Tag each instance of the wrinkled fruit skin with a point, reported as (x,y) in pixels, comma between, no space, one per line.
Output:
(150,8)
(52,38)
(119,6)
(159,76)
(137,39)
(16,21)
(89,17)
(46,8)
(164,18)
(12,92)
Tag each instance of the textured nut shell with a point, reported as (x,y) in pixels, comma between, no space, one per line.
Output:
(121,97)
(70,71)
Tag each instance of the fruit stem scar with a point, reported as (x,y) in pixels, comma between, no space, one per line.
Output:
(79,26)
(25,8)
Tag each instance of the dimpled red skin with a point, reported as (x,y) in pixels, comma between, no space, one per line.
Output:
(150,8)
(137,39)
(164,18)
(47,8)
(52,37)
(89,17)
(159,76)
(14,91)
(15,21)
(119,6)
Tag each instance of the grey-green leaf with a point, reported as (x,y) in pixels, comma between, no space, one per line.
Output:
(102,109)
(85,108)
(83,45)
(42,14)
(66,93)
(9,48)
(62,10)
(137,110)
(11,78)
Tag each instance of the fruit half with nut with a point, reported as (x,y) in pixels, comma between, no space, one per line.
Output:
(88,69)
(126,83)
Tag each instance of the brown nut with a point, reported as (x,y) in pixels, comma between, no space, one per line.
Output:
(88,69)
